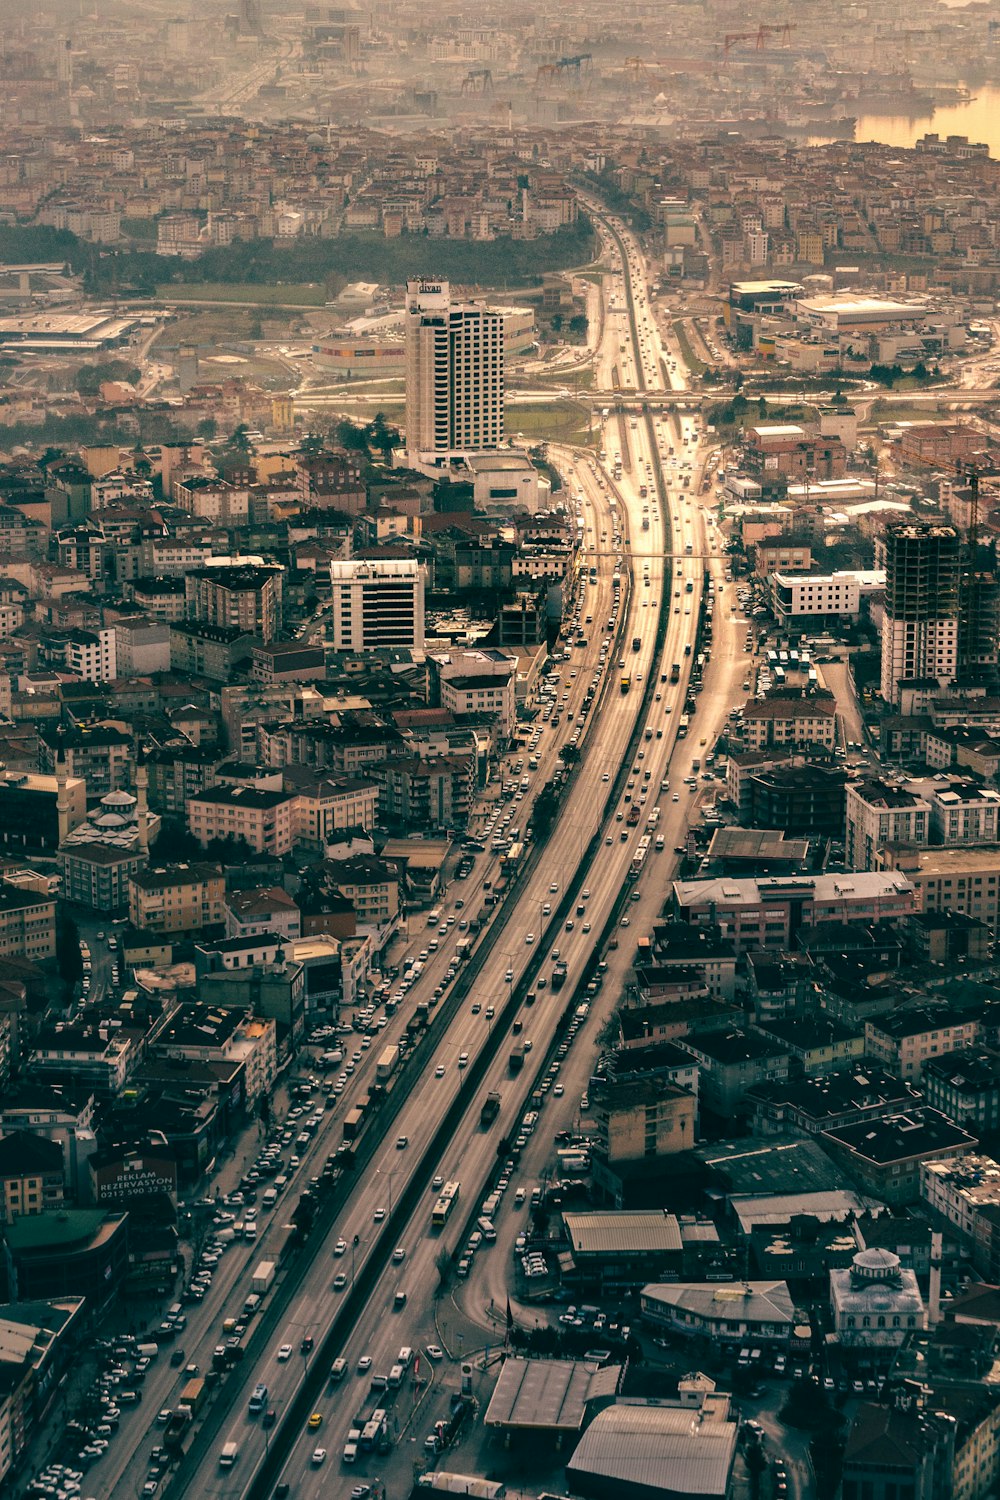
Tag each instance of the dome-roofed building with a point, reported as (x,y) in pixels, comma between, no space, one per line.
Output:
(98,857)
(875,1302)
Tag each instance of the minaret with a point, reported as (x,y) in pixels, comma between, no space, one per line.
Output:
(141,799)
(62,796)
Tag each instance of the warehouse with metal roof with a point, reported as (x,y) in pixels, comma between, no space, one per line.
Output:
(549,1395)
(653,1450)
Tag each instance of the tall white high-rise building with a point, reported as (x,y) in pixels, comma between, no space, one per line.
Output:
(377,604)
(454,372)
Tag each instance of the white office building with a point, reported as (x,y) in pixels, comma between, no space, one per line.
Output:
(377,605)
(454,372)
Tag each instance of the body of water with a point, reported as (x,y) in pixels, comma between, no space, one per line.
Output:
(978,118)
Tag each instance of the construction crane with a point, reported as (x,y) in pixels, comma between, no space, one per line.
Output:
(565,64)
(478,81)
(758,37)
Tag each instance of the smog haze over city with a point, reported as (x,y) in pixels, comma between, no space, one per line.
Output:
(499,750)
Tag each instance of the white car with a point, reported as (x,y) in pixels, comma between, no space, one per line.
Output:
(318,1457)
(285,1352)
(340,1247)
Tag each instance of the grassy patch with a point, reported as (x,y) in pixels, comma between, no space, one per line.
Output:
(291,294)
(695,365)
(556,421)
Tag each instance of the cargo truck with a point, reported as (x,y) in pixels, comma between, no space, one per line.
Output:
(263,1276)
(463,947)
(491,1107)
(559,975)
(387,1064)
(516,1059)
(192,1395)
(675,672)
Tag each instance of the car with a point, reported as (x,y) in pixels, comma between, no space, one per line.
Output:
(402,1141)
(435,1352)
(477,1007)
(463,1059)
(340,1247)
(553,887)
(437,1181)
(399,1254)
(529,938)
(361,1491)
(307,1345)
(439,1071)
(318,1457)
(364,1364)
(315,1420)
(163,1417)
(340,1281)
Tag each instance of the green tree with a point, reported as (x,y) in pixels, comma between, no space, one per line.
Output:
(238,440)
(207,428)
(557,322)
(381,436)
(351,436)
(311,444)
(579,324)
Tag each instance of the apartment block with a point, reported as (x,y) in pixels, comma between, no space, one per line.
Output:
(377,605)
(905,1040)
(181,898)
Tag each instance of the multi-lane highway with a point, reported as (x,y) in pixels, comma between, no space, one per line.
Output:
(588,858)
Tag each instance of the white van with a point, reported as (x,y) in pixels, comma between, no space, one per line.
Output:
(229,1455)
(396,1377)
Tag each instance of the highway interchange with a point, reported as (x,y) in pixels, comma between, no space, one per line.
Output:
(585,852)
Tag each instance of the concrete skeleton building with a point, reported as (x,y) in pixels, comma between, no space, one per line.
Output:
(920,628)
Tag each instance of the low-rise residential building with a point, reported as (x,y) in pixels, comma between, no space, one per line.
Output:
(183,898)
(965,880)
(643,1119)
(893,1452)
(27,924)
(880,813)
(215,1034)
(965,1086)
(372,887)
(31,1175)
(769,913)
(965,1195)
(815,1043)
(905,1039)
(262,909)
(829,1100)
(884,1156)
(787,719)
(274,821)
(730,1061)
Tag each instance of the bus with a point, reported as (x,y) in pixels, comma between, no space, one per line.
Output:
(639,857)
(682,726)
(447,1199)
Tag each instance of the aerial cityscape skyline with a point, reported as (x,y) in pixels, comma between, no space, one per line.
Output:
(499,751)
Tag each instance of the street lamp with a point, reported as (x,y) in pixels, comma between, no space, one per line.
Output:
(355,1242)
